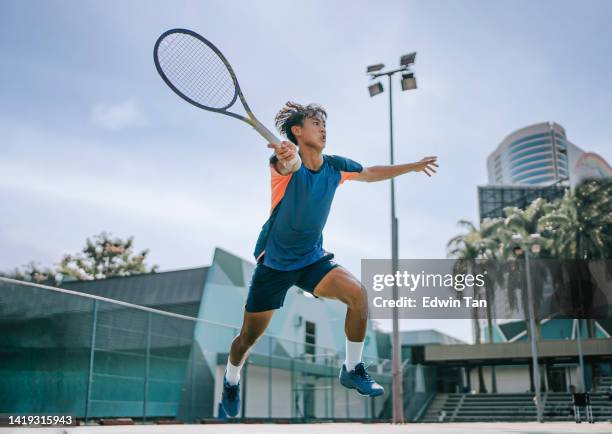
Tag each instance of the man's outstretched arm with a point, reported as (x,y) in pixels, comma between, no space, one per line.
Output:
(380,173)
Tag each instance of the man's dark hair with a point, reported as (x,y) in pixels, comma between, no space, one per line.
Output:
(294,114)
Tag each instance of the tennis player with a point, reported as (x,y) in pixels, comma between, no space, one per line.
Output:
(289,250)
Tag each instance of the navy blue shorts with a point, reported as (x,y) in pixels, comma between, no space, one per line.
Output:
(269,286)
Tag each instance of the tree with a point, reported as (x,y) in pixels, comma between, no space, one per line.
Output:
(582,225)
(477,243)
(525,222)
(32,272)
(581,228)
(105,257)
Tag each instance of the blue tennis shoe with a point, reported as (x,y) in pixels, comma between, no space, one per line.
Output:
(359,379)
(230,398)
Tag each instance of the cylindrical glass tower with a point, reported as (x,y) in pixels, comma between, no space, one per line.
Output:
(534,155)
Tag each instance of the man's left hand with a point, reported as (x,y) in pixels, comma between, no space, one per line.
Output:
(426,165)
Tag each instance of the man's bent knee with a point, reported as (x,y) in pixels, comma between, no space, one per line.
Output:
(248,339)
(355,297)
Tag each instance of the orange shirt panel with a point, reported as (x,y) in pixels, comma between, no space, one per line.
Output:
(279,186)
(347,176)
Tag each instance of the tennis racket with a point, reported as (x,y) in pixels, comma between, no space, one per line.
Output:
(199,73)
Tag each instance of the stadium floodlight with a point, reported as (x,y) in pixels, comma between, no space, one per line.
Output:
(375,89)
(408,81)
(375,68)
(407,59)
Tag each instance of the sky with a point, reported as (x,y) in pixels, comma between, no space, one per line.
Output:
(92,140)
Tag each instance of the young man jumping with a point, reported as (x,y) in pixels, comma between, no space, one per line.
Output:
(289,249)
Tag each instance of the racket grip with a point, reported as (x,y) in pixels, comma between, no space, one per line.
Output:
(295,163)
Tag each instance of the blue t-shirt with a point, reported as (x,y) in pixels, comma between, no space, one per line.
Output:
(292,237)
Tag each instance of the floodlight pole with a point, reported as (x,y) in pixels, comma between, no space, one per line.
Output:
(396,349)
(534,347)
(396,355)
(396,368)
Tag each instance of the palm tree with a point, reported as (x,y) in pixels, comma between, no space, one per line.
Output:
(582,225)
(525,222)
(581,228)
(467,247)
(493,243)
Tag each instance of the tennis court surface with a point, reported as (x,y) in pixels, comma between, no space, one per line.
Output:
(332,428)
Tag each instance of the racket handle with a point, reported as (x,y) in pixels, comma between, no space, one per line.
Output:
(293,164)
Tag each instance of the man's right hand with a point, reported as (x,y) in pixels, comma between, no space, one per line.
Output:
(285,153)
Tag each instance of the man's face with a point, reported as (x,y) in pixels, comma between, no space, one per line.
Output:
(312,133)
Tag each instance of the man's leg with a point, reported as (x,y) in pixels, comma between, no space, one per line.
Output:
(254,325)
(339,284)
(266,294)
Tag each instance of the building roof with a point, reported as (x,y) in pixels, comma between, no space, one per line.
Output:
(512,329)
(606,324)
(508,353)
(431,336)
(177,291)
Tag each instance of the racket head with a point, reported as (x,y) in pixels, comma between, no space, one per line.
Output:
(196,70)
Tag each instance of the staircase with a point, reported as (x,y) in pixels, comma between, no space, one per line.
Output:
(604,385)
(496,407)
(559,407)
(511,407)
(443,401)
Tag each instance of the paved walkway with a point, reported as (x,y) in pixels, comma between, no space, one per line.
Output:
(332,428)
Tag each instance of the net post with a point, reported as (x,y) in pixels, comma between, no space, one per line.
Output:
(332,382)
(346,397)
(245,376)
(91,358)
(269,377)
(146,373)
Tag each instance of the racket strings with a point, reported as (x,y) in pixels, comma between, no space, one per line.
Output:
(196,71)
(191,67)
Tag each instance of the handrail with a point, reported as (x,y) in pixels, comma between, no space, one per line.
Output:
(424,407)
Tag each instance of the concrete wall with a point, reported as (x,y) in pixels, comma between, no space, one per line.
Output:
(510,379)
(515,379)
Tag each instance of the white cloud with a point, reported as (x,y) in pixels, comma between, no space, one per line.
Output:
(117,116)
(62,189)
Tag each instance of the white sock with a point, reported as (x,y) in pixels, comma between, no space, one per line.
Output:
(353,354)
(232,373)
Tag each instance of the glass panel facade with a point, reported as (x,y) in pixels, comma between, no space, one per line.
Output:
(521,169)
(532,174)
(532,151)
(540,180)
(527,138)
(492,199)
(517,149)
